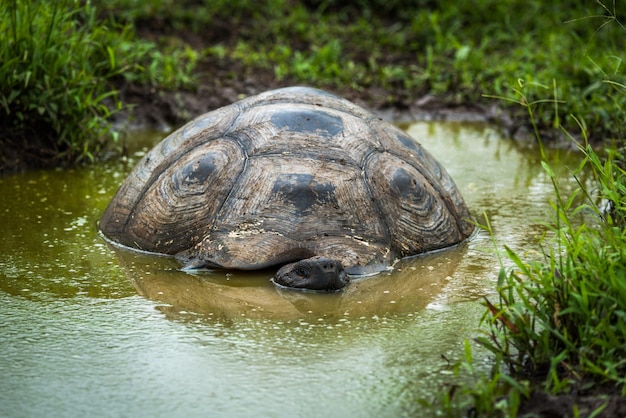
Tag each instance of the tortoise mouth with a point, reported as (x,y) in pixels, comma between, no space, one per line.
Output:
(318,274)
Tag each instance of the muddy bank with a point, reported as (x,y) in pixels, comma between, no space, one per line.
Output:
(543,405)
(165,110)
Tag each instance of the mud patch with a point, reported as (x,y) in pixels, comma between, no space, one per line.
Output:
(543,405)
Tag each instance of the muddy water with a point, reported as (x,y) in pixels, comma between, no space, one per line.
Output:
(88,331)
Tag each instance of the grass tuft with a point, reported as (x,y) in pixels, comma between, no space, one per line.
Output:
(558,323)
(54,95)
(59,65)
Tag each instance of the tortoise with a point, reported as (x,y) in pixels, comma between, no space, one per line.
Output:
(294,177)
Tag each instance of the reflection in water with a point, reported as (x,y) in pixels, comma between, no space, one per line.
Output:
(91,331)
(409,287)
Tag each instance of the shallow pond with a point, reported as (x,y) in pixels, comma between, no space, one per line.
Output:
(88,331)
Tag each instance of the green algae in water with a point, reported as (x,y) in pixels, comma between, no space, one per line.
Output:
(50,246)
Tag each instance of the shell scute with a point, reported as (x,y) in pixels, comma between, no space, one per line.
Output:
(303,192)
(283,129)
(179,204)
(308,121)
(420,216)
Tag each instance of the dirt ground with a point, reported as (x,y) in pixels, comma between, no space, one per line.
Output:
(548,406)
(165,109)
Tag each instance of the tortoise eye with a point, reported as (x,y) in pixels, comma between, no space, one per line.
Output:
(301,271)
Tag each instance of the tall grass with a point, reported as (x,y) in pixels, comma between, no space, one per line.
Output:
(558,323)
(59,65)
(565,315)
(54,87)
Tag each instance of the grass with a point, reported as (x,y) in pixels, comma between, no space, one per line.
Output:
(453,50)
(59,63)
(63,61)
(46,88)
(558,323)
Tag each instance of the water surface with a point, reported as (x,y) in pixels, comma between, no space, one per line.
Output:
(90,331)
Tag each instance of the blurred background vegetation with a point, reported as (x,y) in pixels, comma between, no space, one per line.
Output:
(407,49)
(62,62)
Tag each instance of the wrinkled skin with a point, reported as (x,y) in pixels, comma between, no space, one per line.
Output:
(315,273)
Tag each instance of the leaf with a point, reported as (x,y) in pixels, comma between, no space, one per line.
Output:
(111,57)
(547,168)
(497,315)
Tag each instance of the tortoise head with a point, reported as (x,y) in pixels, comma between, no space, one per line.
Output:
(315,273)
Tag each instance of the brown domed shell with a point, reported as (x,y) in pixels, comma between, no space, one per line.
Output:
(284,175)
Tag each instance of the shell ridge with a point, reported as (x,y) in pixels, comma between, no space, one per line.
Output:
(350,108)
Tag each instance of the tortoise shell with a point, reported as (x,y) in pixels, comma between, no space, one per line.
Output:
(286,175)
